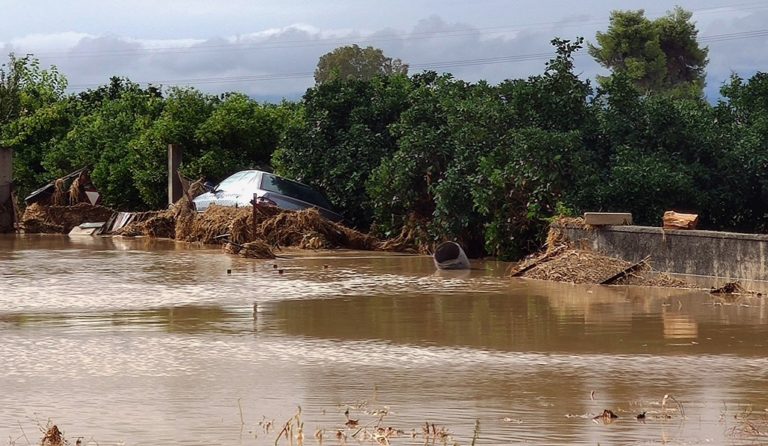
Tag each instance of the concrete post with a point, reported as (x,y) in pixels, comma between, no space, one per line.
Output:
(174,182)
(6,177)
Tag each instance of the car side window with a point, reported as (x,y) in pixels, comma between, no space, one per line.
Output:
(293,189)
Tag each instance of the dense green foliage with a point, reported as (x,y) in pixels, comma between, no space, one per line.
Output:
(426,155)
(340,136)
(121,132)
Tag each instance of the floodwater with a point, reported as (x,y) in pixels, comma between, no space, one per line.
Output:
(147,342)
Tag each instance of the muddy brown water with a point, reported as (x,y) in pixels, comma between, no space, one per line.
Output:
(150,342)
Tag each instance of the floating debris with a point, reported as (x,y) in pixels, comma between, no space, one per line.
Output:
(350,422)
(606,417)
(257,249)
(512,420)
(729,288)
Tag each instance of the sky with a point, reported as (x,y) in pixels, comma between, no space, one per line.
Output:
(268,49)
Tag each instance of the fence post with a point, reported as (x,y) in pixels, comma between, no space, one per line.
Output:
(6,184)
(174,182)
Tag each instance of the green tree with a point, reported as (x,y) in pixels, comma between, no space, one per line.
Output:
(32,114)
(660,56)
(103,139)
(184,111)
(741,200)
(353,62)
(340,135)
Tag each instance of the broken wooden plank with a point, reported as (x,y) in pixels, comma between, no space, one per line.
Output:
(625,271)
(607,218)
(674,220)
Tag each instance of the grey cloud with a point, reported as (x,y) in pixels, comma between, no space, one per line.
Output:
(275,64)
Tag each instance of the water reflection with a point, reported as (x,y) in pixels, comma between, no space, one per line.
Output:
(619,320)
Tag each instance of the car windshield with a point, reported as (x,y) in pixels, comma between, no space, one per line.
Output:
(237,181)
(273,183)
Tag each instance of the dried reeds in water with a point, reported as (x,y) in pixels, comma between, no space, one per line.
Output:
(209,226)
(160,226)
(61,219)
(308,229)
(257,249)
(588,267)
(577,266)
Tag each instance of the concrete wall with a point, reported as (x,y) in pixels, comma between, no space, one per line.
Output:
(707,258)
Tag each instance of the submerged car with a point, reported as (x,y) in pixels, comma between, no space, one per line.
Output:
(239,189)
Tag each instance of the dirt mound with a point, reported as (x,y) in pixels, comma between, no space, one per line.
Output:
(61,219)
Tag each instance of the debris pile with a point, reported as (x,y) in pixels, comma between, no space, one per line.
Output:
(309,230)
(261,228)
(566,264)
(61,219)
(574,266)
(143,223)
(563,261)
